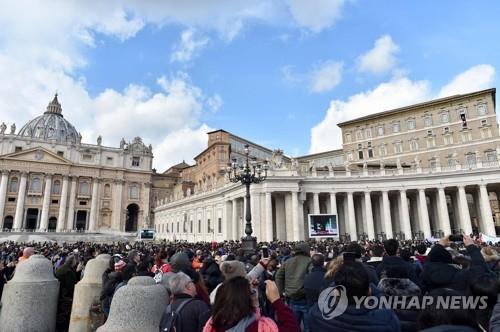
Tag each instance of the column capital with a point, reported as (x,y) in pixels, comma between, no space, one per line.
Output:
(65,177)
(5,172)
(118,181)
(24,174)
(96,179)
(49,176)
(421,190)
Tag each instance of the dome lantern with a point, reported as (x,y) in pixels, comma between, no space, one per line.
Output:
(54,106)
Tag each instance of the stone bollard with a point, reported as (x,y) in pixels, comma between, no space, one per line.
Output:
(87,291)
(29,300)
(138,306)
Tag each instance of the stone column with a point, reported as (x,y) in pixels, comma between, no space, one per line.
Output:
(295,216)
(235,220)
(351,217)
(404,214)
(386,215)
(486,223)
(61,218)
(269,217)
(29,300)
(3,195)
(86,293)
(423,214)
(463,210)
(94,207)
(44,221)
(71,208)
(117,205)
(444,219)
(333,205)
(316,203)
(370,229)
(147,197)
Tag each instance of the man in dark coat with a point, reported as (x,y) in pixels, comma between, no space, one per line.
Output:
(314,280)
(440,272)
(392,261)
(68,277)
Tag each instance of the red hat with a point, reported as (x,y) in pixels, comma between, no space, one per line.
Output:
(120,265)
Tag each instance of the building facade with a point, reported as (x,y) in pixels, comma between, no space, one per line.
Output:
(52,181)
(412,192)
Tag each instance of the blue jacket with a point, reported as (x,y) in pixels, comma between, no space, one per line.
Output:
(362,320)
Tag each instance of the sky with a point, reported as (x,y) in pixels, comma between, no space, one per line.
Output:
(281,73)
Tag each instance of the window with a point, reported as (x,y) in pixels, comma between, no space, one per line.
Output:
(486,132)
(109,160)
(177,227)
(348,138)
(136,161)
(430,132)
(370,153)
(380,130)
(209,229)
(219,225)
(451,161)
(368,133)
(466,136)
(481,109)
(36,185)
(433,163)
(470,158)
(191,226)
(383,150)
(13,185)
(446,130)
(462,115)
(18,149)
(11,199)
(84,188)
(413,145)
(491,155)
(83,203)
(107,190)
(60,153)
(396,127)
(55,201)
(134,191)
(360,146)
(56,187)
(445,117)
(428,120)
(484,122)
(448,139)
(199,226)
(86,157)
(359,134)
(411,124)
(349,156)
(431,142)
(360,154)
(398,147)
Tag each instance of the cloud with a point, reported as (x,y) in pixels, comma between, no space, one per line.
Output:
(381,58)
(316,15)
(188,47)
(476,78)
(326,77)
(289,75)
(182,144)
(214,103)
(399,91)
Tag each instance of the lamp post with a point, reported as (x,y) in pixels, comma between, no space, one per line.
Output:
(247,173)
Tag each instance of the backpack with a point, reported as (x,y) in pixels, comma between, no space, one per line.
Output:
(170,319)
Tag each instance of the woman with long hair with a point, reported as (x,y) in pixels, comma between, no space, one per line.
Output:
(236,309)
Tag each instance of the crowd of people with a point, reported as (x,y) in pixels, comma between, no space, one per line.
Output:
(215,287)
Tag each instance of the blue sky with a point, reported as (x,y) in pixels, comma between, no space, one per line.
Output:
(280,73)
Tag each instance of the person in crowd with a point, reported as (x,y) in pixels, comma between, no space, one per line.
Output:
(235,309)
(192,313)
(491,257)
(127,272)
(435,318)
(313,282)
(290,280)
(68,276)
(485,285)
(134,258)
(420,256)
(197,260)
(160,265)
(376,256)
(352,276)
(110,279)
(286,254)
(393,260)
(211,273)
(268,274)
(355,248)
(27,253)
(440,272)
(180,262)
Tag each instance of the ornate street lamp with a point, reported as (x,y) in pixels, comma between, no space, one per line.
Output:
(248,173)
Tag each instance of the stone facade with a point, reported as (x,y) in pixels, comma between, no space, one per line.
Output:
(410,195)
(52,181)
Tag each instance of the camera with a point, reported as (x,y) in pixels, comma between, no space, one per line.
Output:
(265,252)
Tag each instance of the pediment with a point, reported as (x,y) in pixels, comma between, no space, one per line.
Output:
(37,154)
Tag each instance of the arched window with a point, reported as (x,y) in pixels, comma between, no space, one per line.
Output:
(36,185)
(134,191)
(56,187)
(107,190)
(13,185)
(84,188)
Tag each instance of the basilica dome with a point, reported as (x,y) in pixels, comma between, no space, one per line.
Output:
(51,125)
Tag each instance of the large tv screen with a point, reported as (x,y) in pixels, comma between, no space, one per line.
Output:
(323,225)
(146,234)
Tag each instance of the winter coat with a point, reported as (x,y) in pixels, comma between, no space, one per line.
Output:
(362,320)
(313,284)
(396,262)
(193,315)
(290,277)
(402,287)
(211,274)
(440,273)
